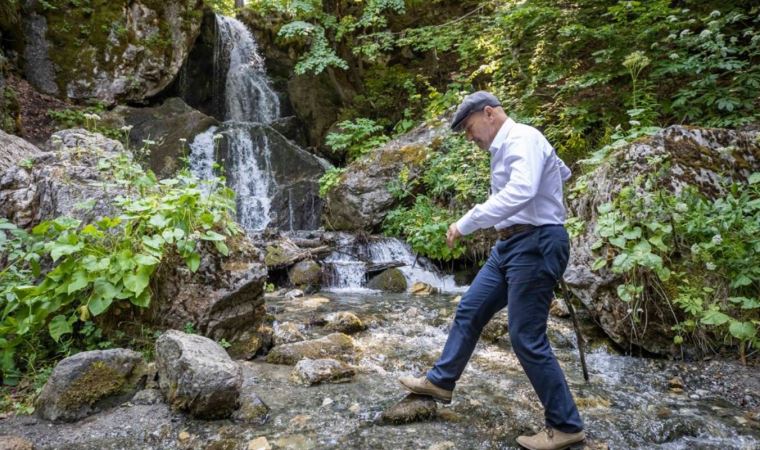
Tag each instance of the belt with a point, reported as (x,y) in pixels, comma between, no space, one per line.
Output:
(506,233)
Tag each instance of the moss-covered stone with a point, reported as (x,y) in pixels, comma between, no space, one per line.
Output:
(337,346)
(97,382)
(391,280)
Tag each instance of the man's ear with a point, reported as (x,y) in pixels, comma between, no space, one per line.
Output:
(488,110)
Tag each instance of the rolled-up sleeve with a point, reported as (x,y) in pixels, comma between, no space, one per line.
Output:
(564,171)
(526,163)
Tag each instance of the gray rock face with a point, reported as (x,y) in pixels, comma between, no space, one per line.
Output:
(315,371)
(14,150)
(62,181)
(252,409)
(140,49)
(165,124)
(697,156)
(413,408)
(224,298)
(196,375)
(88,382)
(38,69)
(361,199)
(336,346)
(391,280)
(294,188)
(306,274)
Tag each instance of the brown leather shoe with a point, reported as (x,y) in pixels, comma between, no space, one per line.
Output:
(423,386)
(550,439)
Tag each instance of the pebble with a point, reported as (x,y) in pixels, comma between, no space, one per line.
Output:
(260,443)
(327,401)
(184,436)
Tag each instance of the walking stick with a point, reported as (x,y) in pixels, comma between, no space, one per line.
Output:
(566,294)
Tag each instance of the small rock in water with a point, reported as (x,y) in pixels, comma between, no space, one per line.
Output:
(184,436)
(413,408)
(287,333)
(315,371)
(355,408)
(314,302)
(260,443)
(336,346)
(423,289)
(344,322)
(327,401)
(456,299)
(252,408)
(495,328)
(294,293)
(676,385)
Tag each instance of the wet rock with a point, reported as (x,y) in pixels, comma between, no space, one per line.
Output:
(295,203)
(315,371)
(295,293)
(287,333)
(558,308)
(307,274)
(311,302)
(496,328)
(344,322)
(283,253)
(423,289)
(390,280)
(336,345)
(252,408)
(696,156)
(15,443)
(260,443)
(196,375)
(89,382)
(676,384)
(413,408)
(361,199)
(61,180)
(164,124)
(14,150)
(250,343)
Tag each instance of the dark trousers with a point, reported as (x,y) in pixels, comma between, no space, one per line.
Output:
(521,274)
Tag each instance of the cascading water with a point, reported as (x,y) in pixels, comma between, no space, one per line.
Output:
(239,74)
(346,267)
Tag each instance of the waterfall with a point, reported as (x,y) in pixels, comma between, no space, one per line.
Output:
(248,96)
(240,74)
(346,268)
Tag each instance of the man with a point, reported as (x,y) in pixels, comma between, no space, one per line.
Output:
(524,267)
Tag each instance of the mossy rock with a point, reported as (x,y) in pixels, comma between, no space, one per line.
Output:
(89,382)
(305,273)
(390,280)
(336,346)
(413,408)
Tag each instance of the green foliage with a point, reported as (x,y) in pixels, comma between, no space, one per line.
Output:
(455,176)
(224,7)
(329,180)
(699,255)
(64,272)
(424,226)
(88,118)
(356,138)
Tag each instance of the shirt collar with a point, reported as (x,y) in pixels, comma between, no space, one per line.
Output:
(501,135)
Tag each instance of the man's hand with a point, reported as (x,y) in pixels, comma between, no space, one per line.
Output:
(452,235)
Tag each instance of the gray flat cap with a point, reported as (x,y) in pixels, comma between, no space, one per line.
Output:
(472,103)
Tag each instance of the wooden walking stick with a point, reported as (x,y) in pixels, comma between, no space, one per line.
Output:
(579,337)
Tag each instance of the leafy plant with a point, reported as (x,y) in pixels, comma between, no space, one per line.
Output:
(65,272)
(356,138)
(329,180)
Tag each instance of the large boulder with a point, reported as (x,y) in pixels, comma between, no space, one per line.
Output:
(63,181)
(697,157)
(305,274)
(223,299)
(166,125)
(196,375)
(14,150)
(362,197)
(293,187)
(391,280)
(123,50)
(88,382)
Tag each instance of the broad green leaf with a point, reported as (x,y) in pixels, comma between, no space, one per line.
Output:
(193,261)
(631,234)
(599,263)
(58,327)
(158,221)
(618,241)
(741,280)
(742,330)
(79,281)
(146,260)
(222,248)
(714,317)
(142,300)
(212,236)
(138,280)
(59,250)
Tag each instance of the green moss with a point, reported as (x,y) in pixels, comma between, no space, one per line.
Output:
(98,381)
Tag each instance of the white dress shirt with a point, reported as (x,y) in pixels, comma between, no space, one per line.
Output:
(526,182)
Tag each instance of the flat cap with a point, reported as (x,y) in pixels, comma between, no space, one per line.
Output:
(472,103)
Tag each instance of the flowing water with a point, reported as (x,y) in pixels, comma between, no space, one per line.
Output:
(627,404)
(346,267)
(240,78)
